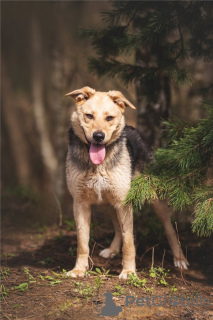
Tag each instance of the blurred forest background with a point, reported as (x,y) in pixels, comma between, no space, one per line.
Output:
(43,57)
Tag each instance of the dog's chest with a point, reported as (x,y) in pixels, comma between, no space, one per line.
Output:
(98,183)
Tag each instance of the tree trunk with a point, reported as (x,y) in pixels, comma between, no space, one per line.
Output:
(47,150)
(16,135)
(59,115)
(151,113)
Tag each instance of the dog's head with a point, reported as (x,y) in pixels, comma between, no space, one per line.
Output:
(98,119)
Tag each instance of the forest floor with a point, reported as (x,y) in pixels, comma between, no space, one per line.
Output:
(35,259)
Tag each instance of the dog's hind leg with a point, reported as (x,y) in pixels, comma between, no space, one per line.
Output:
(116,242)
(82,215)
(164,214)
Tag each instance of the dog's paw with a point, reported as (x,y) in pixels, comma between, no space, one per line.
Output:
(76,273)
(108,253)
(124,274)
(181,263)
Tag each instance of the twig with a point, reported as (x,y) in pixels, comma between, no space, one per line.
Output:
(164,252)
(93,248)
(148,250)
(153,255)
(178,239)
(99,245)
(181,269)
(6,316)
(92,264)
(59,208)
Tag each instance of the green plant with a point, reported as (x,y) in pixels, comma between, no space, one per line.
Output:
(16,305)
(52,281)
(135,281)
(57,275)
(118,291)
(101,272)
(4,272)
(65,305)
(30,277)
(8,255)
(99,275)
(3,292)
(98,282)
(173,289)
(159,274)
(149,290)
(22,286)
(85,291)
(64,271)
(41,277)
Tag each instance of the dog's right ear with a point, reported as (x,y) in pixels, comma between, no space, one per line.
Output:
(81,94)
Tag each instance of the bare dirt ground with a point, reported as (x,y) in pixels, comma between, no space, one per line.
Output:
(34,260)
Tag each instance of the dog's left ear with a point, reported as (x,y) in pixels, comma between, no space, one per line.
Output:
(120,100)
(81,94)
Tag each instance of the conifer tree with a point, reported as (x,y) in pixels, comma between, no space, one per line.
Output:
(152,43)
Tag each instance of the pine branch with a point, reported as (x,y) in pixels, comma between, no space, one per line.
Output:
(203,223)
(180,172)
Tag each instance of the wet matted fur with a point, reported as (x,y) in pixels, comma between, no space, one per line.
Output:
(103,156)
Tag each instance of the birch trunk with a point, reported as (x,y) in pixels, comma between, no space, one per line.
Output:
(14,126)
(47,150)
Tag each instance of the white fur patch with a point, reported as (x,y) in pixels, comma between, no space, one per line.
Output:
(108,253)
(98,183)
(181,263)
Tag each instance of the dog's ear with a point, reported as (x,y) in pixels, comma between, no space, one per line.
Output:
(120,100)
(81,94)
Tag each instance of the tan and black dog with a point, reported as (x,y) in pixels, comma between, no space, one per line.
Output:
(103,156)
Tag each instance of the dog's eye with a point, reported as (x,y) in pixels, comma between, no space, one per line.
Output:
(109,118)
(89,116)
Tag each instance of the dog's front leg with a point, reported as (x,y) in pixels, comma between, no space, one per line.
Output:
(82,215)
(125,217)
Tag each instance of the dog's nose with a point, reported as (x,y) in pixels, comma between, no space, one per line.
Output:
(98,136)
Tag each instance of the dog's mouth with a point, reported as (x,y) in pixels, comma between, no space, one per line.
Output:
(97,153)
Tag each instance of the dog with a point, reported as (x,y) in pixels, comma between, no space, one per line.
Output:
(102,158)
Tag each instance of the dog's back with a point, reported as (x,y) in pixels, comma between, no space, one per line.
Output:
(139,153)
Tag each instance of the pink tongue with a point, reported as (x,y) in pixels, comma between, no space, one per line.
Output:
(97,153)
